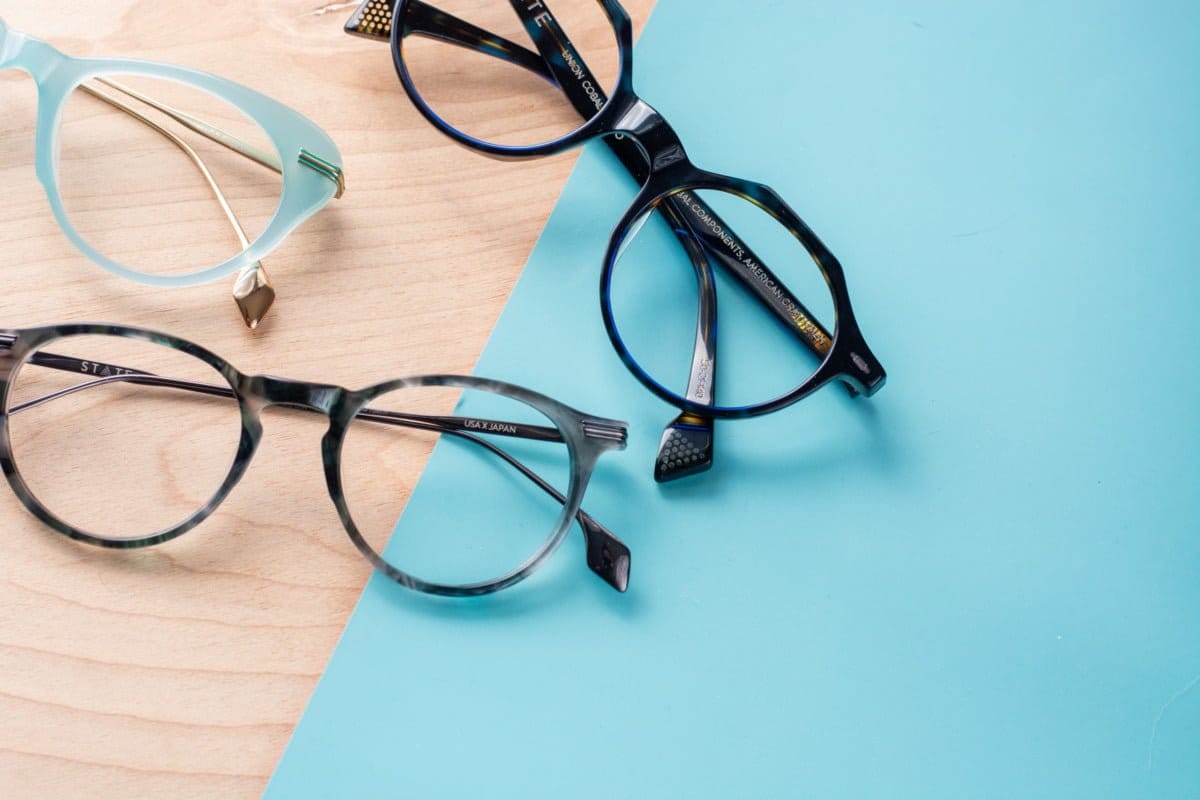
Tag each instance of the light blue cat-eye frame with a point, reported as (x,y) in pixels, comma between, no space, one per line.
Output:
(307,163)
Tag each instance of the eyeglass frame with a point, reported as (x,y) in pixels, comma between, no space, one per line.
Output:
(586,438)
(624,116)
(306,158)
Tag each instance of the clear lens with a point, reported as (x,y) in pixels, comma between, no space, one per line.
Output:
(477,518)
(655,299)
(495,97)
(152,194)
(114,458)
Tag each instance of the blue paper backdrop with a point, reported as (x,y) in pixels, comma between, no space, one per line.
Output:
(985,581)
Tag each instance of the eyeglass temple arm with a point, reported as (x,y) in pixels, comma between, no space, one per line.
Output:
(252,290)
(425,20)
(687,443)
(607,555)
(211,132)
(111,373)
(258,155)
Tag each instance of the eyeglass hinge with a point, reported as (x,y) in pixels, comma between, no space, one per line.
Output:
(606,430)
(326,168)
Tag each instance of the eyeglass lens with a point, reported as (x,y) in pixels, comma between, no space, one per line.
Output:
(150,192)
(501,517)
(92,446)
(655,296)
(503,100)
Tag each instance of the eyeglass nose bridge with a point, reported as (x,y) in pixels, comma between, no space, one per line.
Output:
(263,391)
(650,131)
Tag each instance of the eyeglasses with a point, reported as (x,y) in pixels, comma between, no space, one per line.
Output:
(114,157)
(674,257)
(123,438)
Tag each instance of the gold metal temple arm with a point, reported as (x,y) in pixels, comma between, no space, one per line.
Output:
(257,154)
(252,290)
(214,134)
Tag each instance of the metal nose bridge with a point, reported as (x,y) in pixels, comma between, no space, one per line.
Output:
(271,391)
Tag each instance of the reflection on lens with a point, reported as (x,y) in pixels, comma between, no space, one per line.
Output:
(500,518)
(509,96)
(761,353)
(114,458)
(148,192)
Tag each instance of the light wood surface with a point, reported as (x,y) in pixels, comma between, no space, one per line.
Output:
(181,671)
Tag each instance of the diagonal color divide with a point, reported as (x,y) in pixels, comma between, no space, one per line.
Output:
(984,584)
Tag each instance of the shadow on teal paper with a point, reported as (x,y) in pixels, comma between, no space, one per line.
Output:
(983,582)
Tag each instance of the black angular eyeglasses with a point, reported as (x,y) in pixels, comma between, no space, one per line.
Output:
(683,247)
(122,438)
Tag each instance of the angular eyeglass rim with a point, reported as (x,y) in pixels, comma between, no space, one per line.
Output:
(645,141)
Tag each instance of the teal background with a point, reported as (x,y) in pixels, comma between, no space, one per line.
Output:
(985,581)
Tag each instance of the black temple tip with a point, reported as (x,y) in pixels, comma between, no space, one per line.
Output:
(607,556)
(686,449)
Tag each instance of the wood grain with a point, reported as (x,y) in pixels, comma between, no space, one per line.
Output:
(182,670)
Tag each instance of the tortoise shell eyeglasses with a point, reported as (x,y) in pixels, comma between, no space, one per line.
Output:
(124,438)
(555,74)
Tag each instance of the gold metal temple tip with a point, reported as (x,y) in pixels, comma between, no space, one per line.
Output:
(253,294)
(372,20)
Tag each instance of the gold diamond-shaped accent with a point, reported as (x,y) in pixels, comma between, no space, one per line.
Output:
(253,294)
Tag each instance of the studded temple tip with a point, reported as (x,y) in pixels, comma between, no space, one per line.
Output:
(686,449)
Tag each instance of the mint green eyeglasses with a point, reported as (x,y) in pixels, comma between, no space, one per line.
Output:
(168,176)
